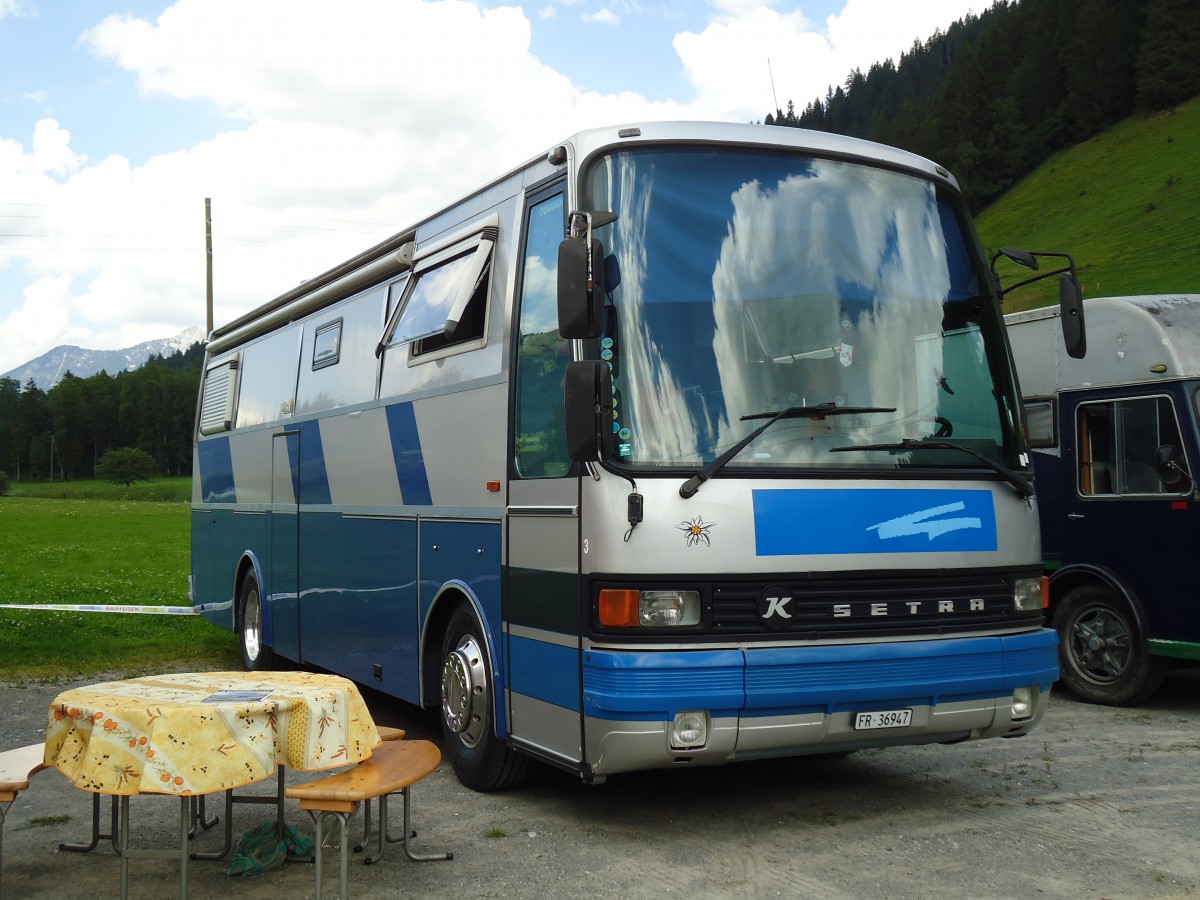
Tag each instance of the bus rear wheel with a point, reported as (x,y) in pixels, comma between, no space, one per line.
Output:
(480,759)
(256,655)
(1103,657)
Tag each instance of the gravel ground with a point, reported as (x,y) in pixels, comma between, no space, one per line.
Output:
(1097,803)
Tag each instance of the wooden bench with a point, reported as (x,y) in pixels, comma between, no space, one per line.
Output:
(16,768)
(392,768)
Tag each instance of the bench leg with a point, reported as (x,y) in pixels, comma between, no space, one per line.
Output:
(215,854)
(318,817)
(385,833)
(96,835)
(200,820)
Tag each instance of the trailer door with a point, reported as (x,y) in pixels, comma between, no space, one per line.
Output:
(1123,516)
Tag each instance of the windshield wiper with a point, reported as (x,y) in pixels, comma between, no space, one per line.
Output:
(820,411)
(1022,485)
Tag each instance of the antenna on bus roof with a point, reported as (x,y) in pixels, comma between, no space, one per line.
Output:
(773,95)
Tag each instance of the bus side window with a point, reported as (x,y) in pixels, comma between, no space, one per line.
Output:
(540,449)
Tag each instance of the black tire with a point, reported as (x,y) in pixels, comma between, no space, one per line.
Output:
(1101,650)
(481,761)
(256,655)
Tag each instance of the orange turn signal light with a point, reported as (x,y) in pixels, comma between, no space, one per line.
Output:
(619,608)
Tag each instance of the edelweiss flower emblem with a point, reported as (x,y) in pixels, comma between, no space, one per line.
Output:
(697,531)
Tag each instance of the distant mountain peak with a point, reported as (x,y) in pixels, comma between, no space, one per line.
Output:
(48,369)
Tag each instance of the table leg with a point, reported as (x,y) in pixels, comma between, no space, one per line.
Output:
(180,853)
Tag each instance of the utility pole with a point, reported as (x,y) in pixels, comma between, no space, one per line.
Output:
(208,257)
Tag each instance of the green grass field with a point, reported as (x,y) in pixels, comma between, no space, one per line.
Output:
(1125,205)
(90,542)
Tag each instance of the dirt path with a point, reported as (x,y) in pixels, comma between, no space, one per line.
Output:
(1098,803)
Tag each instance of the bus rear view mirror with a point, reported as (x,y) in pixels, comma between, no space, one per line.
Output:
(589,405)
(1070,301)
(580,288)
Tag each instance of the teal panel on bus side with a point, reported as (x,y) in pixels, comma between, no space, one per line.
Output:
(467,552)
(358,599)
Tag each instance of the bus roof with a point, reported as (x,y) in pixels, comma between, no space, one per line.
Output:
(392,256)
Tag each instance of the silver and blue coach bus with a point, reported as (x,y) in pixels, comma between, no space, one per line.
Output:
(680,444)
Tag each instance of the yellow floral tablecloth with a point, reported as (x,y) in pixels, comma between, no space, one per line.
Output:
(195,733)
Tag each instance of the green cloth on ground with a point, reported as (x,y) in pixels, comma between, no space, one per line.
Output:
(260,849)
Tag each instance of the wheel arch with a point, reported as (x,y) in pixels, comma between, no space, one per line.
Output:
(1068,578)
(449,597)
(247,564)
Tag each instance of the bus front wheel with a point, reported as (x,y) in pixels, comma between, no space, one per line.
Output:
(1102,655)
(480,759)
(256,655)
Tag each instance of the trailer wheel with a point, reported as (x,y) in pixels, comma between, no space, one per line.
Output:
(1103,657)
(480,759)
(256,655)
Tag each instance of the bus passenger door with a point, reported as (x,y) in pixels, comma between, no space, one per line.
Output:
(282,606)
(541,576)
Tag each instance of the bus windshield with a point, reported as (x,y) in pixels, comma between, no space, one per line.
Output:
(743,283)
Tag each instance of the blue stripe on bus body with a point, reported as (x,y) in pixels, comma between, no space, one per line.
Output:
(819,522)
(781,681)
(216,471)
(544,671)
(406,450)
(314,479)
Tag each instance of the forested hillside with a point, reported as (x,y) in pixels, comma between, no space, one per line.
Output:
(997,94)
(63,432)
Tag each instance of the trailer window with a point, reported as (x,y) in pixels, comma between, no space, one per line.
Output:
(1039,423)
(1118,446)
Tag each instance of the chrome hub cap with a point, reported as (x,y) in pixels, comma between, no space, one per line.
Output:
(252,626)
(464,691)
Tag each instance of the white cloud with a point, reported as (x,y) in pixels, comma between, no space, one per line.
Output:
(602,17)
(12,8)
(727,62)
(347,122)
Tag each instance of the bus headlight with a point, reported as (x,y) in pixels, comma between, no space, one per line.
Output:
(649,609)
(669,608)
(1031,594)
(1022,703)
(690,729)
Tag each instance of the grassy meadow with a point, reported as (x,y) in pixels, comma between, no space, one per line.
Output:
(92,542)
(1125,205)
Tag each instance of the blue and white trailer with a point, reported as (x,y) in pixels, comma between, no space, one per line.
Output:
(680,444)
(1114,438)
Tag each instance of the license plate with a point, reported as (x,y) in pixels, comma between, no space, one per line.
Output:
(891,718)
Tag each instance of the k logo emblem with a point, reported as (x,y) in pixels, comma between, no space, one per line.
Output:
(775,606)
